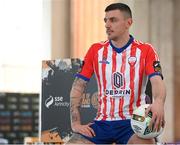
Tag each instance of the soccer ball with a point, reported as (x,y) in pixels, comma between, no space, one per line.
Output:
(140,123)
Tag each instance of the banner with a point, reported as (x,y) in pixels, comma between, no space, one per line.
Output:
(57,78)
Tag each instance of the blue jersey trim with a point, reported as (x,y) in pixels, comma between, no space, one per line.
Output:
(82,77)
(154,74)
(119,50)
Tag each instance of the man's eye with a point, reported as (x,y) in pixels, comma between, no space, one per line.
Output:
(113,20)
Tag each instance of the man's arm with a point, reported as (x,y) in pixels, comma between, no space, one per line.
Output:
(158,89)
(77,91)
(157,107)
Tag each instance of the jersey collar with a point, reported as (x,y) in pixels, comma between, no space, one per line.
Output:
(119,50)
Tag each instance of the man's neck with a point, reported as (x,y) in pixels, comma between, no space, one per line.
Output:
(122,41)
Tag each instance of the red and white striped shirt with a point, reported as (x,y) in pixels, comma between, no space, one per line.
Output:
(122,74)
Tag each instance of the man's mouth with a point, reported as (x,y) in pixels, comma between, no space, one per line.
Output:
(109,31)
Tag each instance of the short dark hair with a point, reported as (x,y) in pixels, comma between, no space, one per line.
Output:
(120,6)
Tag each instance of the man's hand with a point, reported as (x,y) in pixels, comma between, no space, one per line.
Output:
(157,109)
(83,129)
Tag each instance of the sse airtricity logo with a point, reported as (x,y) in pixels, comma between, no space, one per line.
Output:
(56,101)
(49,101)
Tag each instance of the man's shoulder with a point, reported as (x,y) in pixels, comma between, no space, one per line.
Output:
(100,44)
(142,45)
(95,47)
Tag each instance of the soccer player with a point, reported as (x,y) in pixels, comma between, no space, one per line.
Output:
(122,66)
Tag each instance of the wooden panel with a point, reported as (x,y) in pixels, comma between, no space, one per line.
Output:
(161,37)
(60,24)
(177,68)
(87,25)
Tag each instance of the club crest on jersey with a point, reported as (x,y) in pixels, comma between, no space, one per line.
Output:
(104,60)
(132,60)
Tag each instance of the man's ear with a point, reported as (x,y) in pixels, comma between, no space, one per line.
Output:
(129,22)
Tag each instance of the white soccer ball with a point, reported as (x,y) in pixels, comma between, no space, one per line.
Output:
(140,123)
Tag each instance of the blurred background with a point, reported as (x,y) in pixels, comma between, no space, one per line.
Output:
(36,30)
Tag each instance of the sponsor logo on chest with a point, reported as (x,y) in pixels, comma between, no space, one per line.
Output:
(118,83)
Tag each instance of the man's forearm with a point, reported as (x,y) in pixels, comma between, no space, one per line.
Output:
(158,89)
(77,91)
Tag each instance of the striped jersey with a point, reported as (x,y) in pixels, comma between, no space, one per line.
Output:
(122,75)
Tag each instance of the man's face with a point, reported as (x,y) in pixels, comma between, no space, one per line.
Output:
(116,24)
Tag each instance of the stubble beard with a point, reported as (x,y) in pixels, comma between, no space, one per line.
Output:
(114,38)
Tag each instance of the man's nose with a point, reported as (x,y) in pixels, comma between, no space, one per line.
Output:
(107,24)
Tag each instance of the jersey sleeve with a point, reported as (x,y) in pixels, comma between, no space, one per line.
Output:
(87,67)
(153,66)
